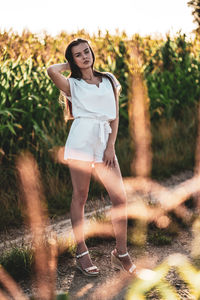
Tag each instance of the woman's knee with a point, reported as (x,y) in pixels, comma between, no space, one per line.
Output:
(118,200)
(80,196)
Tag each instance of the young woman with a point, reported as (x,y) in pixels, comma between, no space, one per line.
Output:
(92,99)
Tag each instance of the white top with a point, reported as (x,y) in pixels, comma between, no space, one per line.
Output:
(89,100)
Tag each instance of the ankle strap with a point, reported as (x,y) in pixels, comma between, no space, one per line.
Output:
(82,254)
(122,255)
(132,268)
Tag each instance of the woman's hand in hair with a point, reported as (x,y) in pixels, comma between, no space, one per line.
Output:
(58,68)
(67,66)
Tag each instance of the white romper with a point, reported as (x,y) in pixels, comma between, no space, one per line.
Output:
(93,108)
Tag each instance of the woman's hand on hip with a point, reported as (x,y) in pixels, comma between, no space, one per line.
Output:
(109,156)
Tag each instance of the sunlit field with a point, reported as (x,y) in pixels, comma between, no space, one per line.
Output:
(158,137)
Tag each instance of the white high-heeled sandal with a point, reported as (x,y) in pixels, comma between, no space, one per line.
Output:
(117,264)
(86,271)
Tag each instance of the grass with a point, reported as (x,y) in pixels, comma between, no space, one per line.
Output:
(162,236)
(99,217)
(153,294)
(174,144)
(139,232)
(159,238)
(18,262)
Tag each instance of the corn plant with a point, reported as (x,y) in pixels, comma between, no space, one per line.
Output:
(173,77)
(28,107)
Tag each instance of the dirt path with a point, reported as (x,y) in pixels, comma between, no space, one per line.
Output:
(107,285)
(74,282)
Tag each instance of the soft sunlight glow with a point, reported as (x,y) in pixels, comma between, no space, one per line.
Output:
(156,17)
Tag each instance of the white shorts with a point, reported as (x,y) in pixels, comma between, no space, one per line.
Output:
(87,139)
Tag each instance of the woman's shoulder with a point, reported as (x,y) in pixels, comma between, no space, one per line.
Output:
(74,81)
(114,79)
(70,87)
(111,75)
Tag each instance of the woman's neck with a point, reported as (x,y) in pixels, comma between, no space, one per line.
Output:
(87,74)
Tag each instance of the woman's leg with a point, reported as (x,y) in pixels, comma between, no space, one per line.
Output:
(80,172)
(112,180)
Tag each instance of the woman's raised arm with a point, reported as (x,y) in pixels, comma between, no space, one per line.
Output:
(62,83)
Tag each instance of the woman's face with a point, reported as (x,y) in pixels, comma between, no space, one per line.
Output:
(82,56)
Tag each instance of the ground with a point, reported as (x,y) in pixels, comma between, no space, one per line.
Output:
(108,285)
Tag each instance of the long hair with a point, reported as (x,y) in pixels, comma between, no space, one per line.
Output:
(76,73)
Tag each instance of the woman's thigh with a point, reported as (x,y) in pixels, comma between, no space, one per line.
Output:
(80,172)
(112,181)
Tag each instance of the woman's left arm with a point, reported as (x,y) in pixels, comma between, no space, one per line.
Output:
(113,135)
(109,153)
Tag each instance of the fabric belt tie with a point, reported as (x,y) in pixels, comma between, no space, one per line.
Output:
(104,127)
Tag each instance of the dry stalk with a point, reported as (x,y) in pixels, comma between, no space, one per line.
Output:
(11,286)
(44,253)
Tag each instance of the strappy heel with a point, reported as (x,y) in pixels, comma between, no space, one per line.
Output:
(117,264)
(87,271)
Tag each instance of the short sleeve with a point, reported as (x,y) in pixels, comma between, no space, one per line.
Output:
(115,81)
